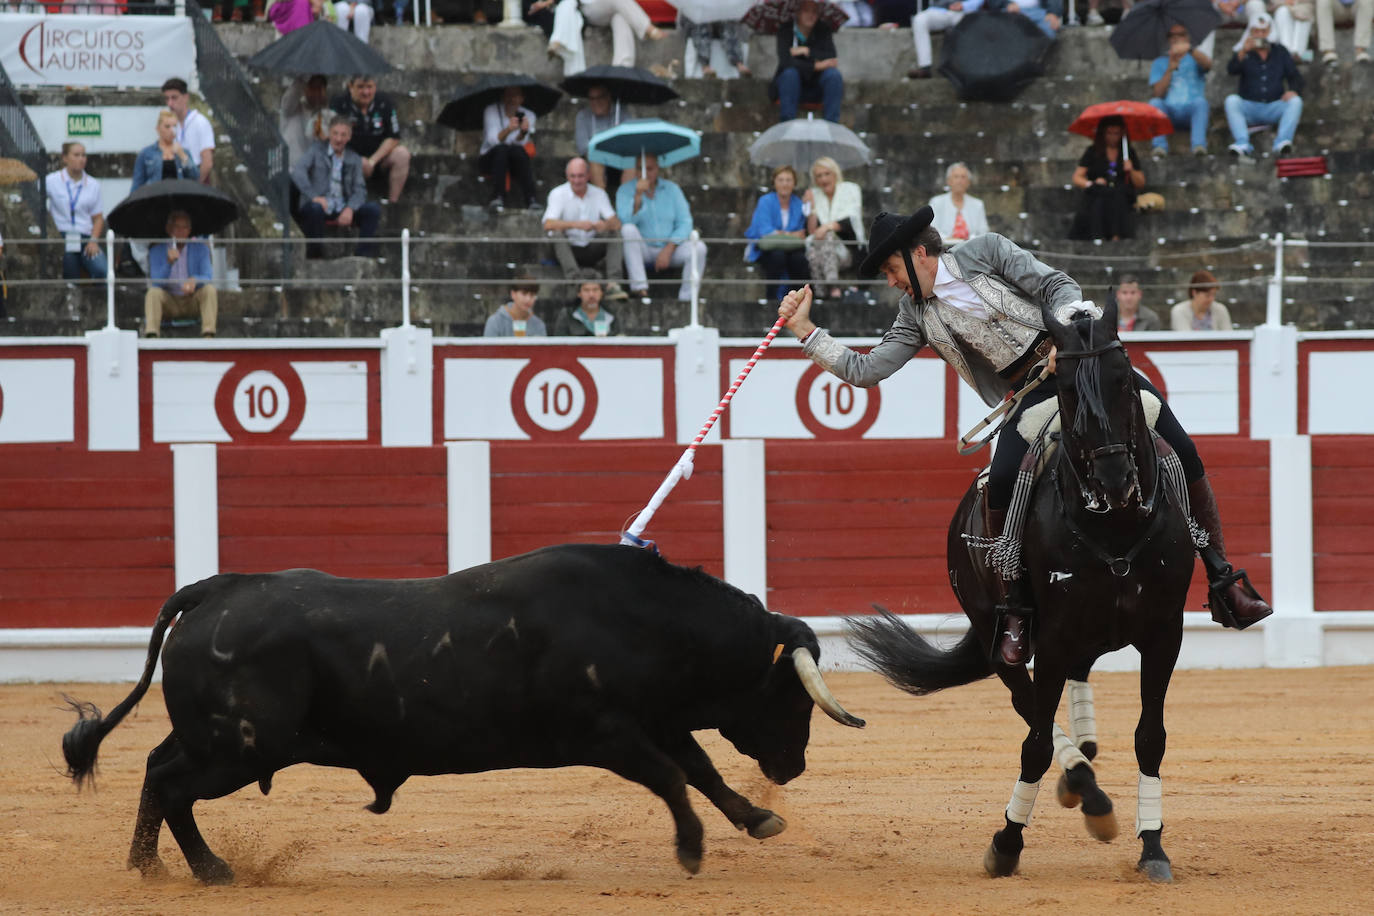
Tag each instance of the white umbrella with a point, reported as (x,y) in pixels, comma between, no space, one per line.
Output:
(802,141)
(701,11)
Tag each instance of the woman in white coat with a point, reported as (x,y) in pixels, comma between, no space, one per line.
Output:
(958,215)
(835,217)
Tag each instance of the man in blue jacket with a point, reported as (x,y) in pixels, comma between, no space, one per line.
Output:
(330,179)
(179,274)
(656,223)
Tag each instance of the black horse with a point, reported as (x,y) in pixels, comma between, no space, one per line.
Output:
(1108,554)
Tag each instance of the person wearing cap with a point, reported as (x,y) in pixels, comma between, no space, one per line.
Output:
(1202,311)
(1261,97)
(983,308)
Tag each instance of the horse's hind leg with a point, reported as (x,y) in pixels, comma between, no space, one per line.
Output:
(1078,785)
(1082,713)
(1156,668)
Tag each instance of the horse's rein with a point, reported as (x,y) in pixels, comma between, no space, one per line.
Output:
(966,447)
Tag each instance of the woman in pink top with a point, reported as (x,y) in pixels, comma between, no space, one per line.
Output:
(289,15)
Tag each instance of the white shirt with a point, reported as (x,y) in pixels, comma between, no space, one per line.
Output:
(195,135)
(301,126)
(73,204)
(567,206)
(494,120)
(956,293)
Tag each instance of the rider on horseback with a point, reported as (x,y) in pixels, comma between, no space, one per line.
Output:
(983,308)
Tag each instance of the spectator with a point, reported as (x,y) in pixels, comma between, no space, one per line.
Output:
(779,233)
(585,317)
(1109,182)
(1202,311)
(808,68)
(1360,12)
(74,202)
(517,318)
(166,158)
(1231,11)
(731,36)
(958,215)
(237,11)
(1095,17)
(477,12)
(602,113)
(1293,26)
(836,217)
(305,114)
(1178,88)
(627,20)
(860,14)
(539,13)
(330,181)
(357,14)
(892,14)
(1261,96)
(194,132)
(179,274)
(941,15)
(507,147)
(1046,15)
(655,222)
(289,15)
(376,133)
(1130,314)
(585,228)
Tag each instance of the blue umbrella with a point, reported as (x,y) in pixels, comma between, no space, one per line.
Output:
(621,146)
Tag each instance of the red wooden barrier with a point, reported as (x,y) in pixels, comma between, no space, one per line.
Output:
(1342,522)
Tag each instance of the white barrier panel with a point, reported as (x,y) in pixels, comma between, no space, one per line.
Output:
(219,401)
(1203,388)
(1338,400)
(37,400)
(134,51)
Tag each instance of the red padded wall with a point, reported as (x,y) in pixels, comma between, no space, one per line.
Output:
(1342,522)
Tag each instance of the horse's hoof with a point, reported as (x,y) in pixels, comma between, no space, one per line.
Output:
(1089,749)
(689,861)
(1157,870)
(1067,797)
(1101,826)
(772,825)
(214,871)
(999,865)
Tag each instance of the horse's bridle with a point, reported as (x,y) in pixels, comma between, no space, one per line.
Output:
(1115,448)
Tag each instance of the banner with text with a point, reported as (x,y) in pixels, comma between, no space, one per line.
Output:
(134,51)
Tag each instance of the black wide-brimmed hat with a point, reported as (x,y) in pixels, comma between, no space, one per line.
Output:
(888,233)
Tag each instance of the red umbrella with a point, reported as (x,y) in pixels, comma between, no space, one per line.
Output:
(768,16)
(1143,121)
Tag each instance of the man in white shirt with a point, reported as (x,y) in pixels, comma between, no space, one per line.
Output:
(584,227)
(194,132)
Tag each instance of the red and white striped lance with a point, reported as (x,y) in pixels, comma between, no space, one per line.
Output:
(683,468)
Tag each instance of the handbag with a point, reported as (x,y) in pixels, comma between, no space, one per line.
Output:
(780,241)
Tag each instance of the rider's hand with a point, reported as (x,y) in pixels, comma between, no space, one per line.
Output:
(796,308)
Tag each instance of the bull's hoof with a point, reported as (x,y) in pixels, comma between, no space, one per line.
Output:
(689,860)
(149,868)
(772,825)
(1102,826)
(1157,870)
(213,871)
(1067,796)
(999,864)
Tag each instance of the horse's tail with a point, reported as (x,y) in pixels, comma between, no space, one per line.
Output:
(82,742)
(911,662)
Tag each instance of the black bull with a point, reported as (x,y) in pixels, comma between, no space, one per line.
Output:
(575,655)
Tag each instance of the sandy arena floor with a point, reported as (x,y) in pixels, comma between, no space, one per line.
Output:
(1268,784)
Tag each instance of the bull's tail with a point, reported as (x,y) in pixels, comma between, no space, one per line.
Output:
(81,743)
(909,661)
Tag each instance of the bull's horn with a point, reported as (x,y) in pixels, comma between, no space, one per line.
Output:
(811,679)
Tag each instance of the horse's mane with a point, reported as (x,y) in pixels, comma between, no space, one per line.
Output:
(1087,382)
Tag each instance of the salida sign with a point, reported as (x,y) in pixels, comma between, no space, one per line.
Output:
(97,50)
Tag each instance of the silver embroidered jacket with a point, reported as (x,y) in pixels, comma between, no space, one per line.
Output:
(1017,290)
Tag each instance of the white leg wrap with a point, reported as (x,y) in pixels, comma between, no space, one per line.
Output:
(1149,804)
(1022,801)
(1082,715)
(1065,751)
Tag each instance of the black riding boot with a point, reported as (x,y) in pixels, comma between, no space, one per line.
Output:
(1011,646)
(1233,600)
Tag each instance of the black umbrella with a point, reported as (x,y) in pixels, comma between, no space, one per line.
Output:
(1143,33)
(464,112)
(628,85)
(321,47)
(143,214)
(993,56)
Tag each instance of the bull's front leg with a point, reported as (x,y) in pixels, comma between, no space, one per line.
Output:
(702,776)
